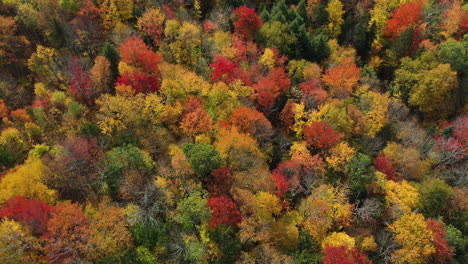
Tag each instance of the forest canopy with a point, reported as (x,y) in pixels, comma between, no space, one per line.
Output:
(233,131)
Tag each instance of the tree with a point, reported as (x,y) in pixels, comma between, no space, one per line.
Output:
(108,231)
(17,245)
(443,252)
(416,80)
(193,211)
(203,157)
(134,52)
(277,35)
(321,135)
(382,164)
(246,22)
(340,155)
(342,78)
(151,24)
(404,17)
(27,180)
(80,83)
(344,255)
(228,243)
(434,90)
(401,196)
(195,120)
(67,234)
(224,211)
(312,92)
(453,19)
(416,240)
(100,75)
(223,70)
(29,212)
(433,196)
(140,82)
(123,159)
(239,150)
(335,16)
(254,123)
(266,206)
(454,53)
(361,173)
(271,86)
(114,11)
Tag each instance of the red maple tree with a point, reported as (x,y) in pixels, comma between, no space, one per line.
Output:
(382,164)
(344,255)
(136,53)
(404,17)
(321,135)
(224,211)
(246,22)
(30,212)
(443,251)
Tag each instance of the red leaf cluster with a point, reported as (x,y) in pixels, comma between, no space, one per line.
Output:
(270,87)
(80,83)
(246,22)
(67,234)
(139,81)
(195,120)
(250,121)
(382,164)
(282,184)
(404,17)
(30,212)
(136,53)
(312,91)
(443,251)
(344,255)
(224,211)
(321,135)
(223,70)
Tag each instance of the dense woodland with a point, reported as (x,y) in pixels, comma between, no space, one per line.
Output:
(232,131)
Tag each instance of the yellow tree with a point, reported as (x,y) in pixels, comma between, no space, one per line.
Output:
(337,239)
(340,155)
(108,232)
(17,244)
(335,17)
(453,16)
(114,11)
(433,92)
(239,150)
(151,24)
(27,180)
(416,240)
(266,207)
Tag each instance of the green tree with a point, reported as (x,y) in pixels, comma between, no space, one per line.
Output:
(228,243)
(123,159)
(361,172)
(202,157)
(192,211)
(433,196)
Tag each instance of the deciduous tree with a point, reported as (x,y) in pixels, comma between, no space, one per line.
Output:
(246,22)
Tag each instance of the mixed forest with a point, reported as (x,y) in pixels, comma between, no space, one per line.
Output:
(234,131)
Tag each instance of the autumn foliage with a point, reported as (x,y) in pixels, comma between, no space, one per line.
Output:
(246,22)
(405,16)
(224,211)
(30,212)
(344,255)
(342,78)
(321,135)
(443,251)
